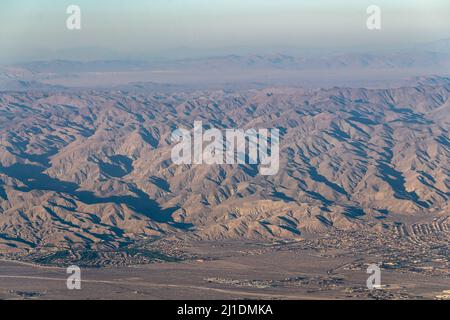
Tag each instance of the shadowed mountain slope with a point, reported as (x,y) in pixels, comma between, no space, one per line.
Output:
(93,168)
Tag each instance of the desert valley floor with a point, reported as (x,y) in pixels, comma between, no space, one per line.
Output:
(325,268)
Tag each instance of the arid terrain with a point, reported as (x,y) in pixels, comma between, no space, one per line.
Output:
(331,268)
(86,178)
(225,150)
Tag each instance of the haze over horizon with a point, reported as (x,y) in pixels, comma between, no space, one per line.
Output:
(148,29)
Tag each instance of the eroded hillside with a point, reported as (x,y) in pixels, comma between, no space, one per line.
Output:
(94,168)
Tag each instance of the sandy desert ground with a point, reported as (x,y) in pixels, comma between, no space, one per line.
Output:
(236,270)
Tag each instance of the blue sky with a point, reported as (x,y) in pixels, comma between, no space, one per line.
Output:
(30,27)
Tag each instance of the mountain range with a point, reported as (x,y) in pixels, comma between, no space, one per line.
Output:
(92,168)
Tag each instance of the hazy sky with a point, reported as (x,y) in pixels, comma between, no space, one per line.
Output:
(32,28)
